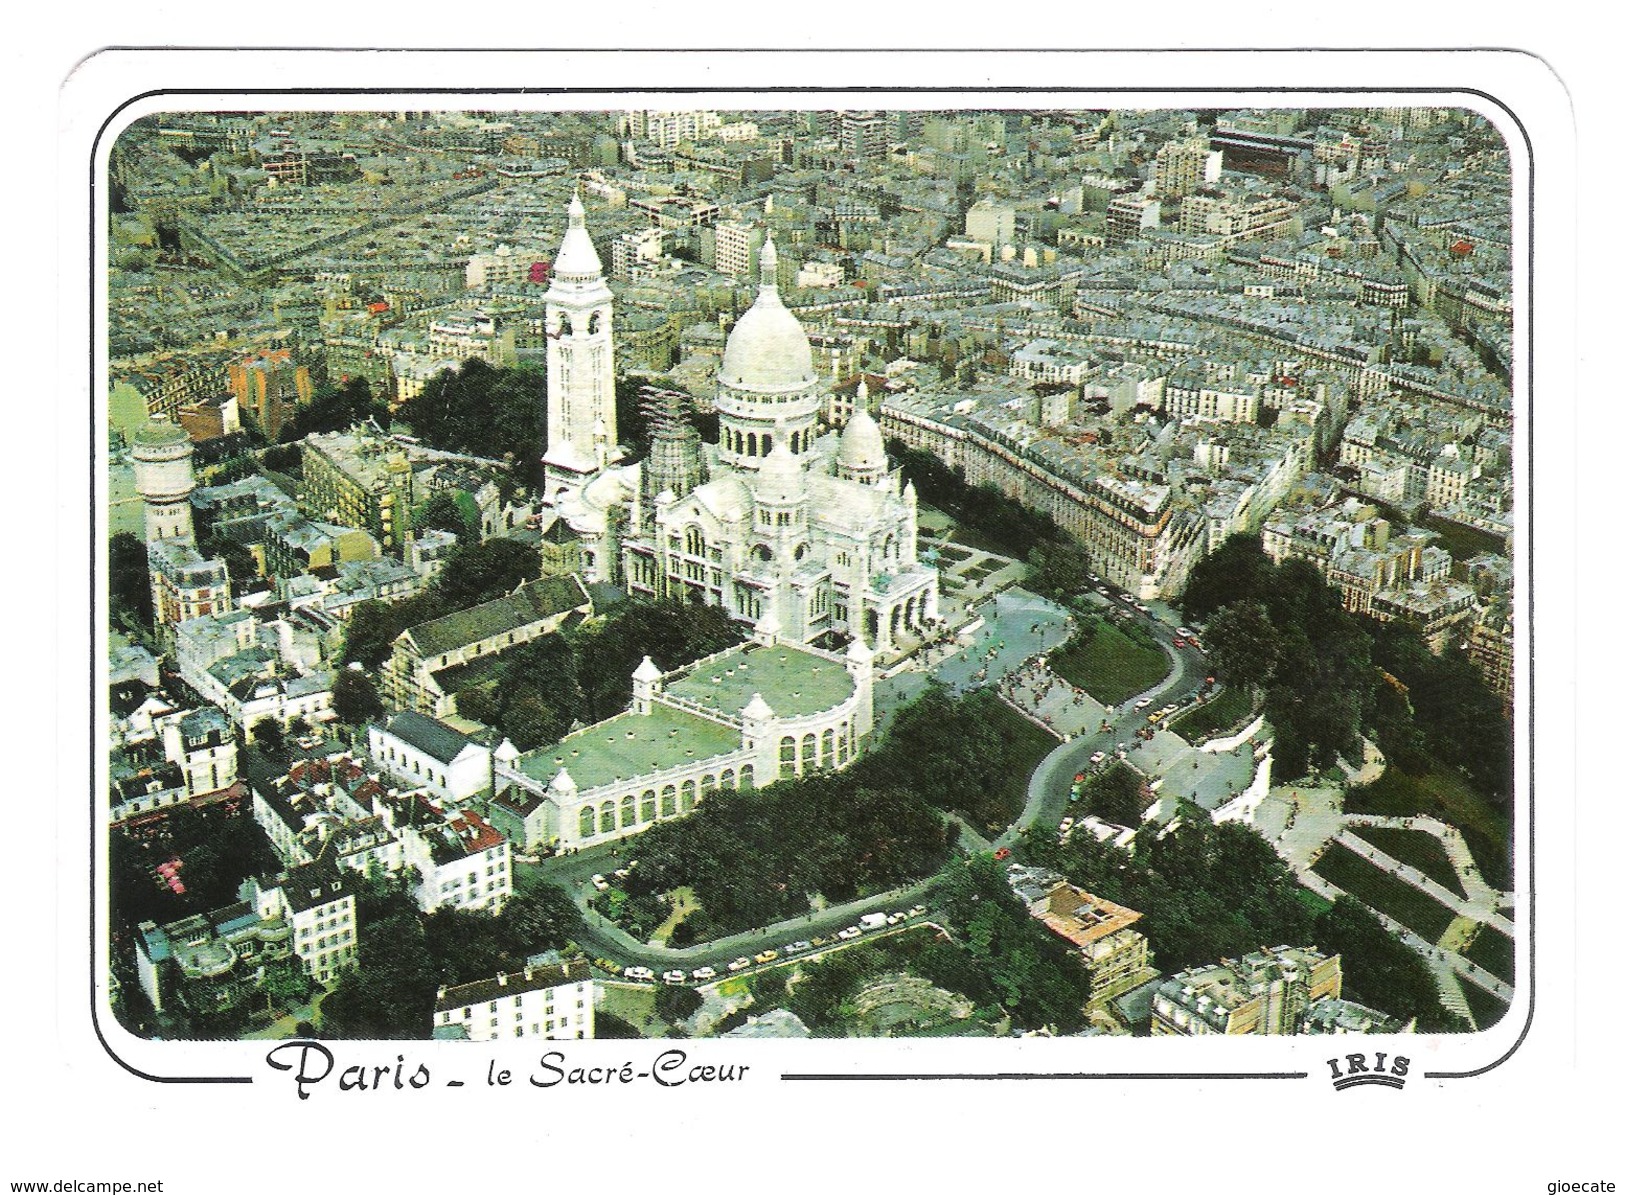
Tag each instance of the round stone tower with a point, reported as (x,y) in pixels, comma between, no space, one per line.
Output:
(164,478)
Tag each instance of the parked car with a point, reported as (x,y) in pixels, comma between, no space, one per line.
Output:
(797,947)
(1184,632)
(1098,757)
(600,883)
(704,974)
(896,918)
(767,956)
(1142,703)
(1179,642)
(673,977)
(643,974)
(1002,854)
(917,911)
(850,932)
(739,964)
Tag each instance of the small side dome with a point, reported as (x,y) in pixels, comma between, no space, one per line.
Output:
(758,710)
(863,448)
(780,479)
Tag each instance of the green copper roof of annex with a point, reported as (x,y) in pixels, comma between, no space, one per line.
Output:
(794,683)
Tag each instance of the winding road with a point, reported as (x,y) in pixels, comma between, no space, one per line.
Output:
(1017,626)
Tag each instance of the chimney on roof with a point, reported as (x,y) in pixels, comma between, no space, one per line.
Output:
(502,979)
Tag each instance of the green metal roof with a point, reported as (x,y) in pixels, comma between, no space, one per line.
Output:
(629,745)
(795,683)
(532,602)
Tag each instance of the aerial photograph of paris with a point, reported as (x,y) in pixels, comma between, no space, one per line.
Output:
(808,574)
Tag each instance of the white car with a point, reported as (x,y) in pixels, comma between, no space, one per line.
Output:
(739,964)
(797,947)
(895,918)
(1142,703)
(850,932)
(1097,757)
(673,977)
(704,974)
(640,973)
(600,883)
(917,911)
(1066,824)
(1184,632)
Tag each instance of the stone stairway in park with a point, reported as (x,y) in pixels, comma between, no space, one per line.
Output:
(1451,996)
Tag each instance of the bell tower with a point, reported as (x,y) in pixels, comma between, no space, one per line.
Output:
(581,435)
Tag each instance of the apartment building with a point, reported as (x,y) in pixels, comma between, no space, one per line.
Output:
(552,1002)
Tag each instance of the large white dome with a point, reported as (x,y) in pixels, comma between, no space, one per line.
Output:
(767,349)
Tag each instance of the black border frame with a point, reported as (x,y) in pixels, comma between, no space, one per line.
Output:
(96,450)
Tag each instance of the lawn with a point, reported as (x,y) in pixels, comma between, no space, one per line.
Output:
(1492,950)
(1411,908)
(1487,1009)
(1109,665)
(1446,796)
(1313,901)
(1230,710)
(1419,849)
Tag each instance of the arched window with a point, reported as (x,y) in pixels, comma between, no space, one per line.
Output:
(688,796)
(809,752)
(829,760)
(694,541)
(787,752)
(767,443)
(727,780)
(629,812)
(747,777)
(707,787)
(606,817)
(587,827)
(594,322)
(668,802)
(750,443)
(648,806)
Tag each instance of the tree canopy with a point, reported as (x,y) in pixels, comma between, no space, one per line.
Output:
(335,409)
(355,698)
(1220,891)
(404,956)
(129,583)
(486,411)
(1282,628)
